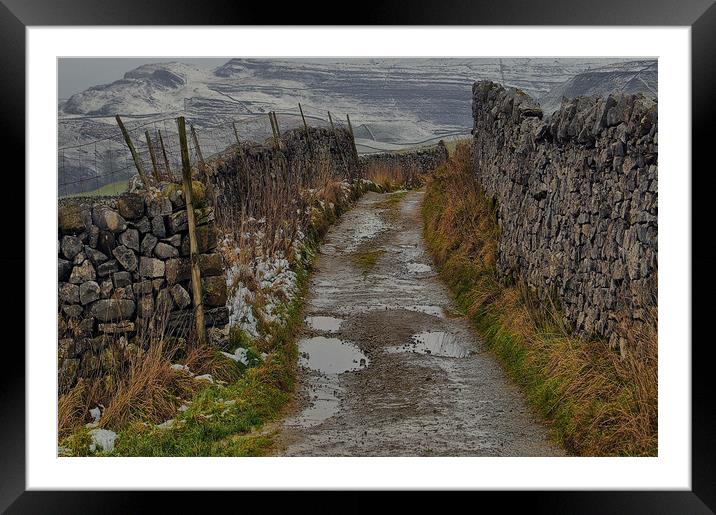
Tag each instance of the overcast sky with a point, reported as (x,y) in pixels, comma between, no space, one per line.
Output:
(78,74)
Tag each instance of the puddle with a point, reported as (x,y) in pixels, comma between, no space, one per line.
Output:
(419,268)
(435,311)
(371,224)
(330,355)
(323,393)
(323,323)
(434,343)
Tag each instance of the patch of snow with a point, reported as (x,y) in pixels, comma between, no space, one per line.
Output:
(167,424)
(96,413)
(240,355)
(205,377)
(102,439)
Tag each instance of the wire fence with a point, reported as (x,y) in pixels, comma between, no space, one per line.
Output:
(103,166)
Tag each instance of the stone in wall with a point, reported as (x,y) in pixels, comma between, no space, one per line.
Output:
(577,199)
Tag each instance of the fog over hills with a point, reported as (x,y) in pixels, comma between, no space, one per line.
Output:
(392,102)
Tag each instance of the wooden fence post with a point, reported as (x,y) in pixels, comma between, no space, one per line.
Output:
(196,144)
(353,138)
(338,144)
(305,126)
(155,172)
(202,163)
(278,129)
(236,133)
(273,129)
(164,153)
(135,156)
(193,244)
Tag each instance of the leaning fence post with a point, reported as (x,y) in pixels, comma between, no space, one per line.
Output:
(236,133)
(338,143)
(273,129)
(135,156)
(275,120)
(164,153)
(155,172)
(353,138)
(202,163)
(196,144)
(305,126)
(193,244)
(278,130)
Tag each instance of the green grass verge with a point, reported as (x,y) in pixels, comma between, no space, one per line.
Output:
(225,420)
(595,403)
(230,419)
(366,259)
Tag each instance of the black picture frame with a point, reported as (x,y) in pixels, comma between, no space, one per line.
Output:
(700,15)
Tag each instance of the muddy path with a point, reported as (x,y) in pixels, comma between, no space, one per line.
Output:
(387,368)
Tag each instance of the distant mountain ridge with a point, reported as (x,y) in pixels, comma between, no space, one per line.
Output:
(631,77)
(392,102)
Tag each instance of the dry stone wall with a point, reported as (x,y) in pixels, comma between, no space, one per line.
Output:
(298,158)
(577,200)
(421,160)
(123,262)
(123,268)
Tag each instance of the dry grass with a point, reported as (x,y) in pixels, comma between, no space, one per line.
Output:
(141,385)
(393,176)
(275,202)
(597,401)
(150,390)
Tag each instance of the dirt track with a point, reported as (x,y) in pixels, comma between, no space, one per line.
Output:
(387,368)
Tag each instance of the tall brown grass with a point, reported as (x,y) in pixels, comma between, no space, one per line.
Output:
(140,384)
(274,200)
(392,176)
(597,401)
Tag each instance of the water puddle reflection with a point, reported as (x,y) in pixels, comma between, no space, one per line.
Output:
(330,355)
(434,343)
(323,392)
(324,323)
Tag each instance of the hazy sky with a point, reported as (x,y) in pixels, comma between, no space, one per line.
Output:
(78,74)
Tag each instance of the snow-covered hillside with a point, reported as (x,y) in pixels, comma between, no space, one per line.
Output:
(630,77)
(392,102)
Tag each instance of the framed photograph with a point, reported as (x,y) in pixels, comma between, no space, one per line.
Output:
(417,252)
